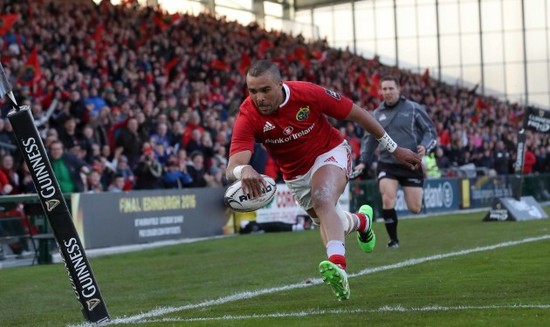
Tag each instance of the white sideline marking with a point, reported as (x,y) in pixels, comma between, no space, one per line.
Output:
(432,308)
(250,294)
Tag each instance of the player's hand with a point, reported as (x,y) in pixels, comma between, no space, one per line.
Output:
(252,182)
(408,158)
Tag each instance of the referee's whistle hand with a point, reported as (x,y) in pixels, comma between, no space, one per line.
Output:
(408,157)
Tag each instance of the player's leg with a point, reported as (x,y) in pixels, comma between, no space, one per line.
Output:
(327,185)
(413,198)
(388,190)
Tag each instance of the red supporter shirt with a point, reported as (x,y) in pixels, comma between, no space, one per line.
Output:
(297,133)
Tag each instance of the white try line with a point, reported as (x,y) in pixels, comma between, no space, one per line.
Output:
(250,294)
(298,314)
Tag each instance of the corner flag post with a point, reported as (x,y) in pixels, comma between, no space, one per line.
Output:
(72,252)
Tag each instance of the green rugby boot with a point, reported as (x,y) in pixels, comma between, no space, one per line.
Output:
(367,240)
(336,278)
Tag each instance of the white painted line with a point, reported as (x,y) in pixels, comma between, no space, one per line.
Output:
(250,294)
(432,308)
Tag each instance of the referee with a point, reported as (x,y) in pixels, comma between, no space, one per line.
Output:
(410,126)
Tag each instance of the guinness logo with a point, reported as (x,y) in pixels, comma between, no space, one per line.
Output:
(51,204)
(92,303)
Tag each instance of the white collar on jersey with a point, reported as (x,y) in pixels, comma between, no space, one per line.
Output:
(286,89)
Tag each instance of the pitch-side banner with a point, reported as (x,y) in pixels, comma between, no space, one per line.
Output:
(113,219)
(537,120)
(440,195)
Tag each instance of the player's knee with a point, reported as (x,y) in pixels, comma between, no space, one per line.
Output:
(388,202)
(415,209)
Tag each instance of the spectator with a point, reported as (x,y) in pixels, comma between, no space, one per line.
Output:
(148,171)
(26,185)
(94,184)
(87,143)
(67,134)
(7,141)
(161,136)
(130,140)
(501,162)
(197,170)
(7,166)
(124,170)
(530,160)
(117,184)
(442,161)
(67,169)
(431,170)
(77,108)
(95,101)
(176,175)
(177,134)
(5,187)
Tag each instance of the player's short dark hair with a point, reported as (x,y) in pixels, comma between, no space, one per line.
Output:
(261,66)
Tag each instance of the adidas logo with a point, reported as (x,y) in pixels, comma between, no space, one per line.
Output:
(331,159)
(268,126)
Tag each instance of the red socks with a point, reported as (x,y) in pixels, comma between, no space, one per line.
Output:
(339,260)
(362,222)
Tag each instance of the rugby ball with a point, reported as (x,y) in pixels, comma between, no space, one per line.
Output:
(236,199)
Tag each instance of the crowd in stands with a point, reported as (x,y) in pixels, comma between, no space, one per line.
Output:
(130,97)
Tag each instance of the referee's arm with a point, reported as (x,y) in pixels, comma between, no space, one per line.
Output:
(425,124)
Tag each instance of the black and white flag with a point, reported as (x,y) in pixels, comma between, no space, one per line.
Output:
(537,120)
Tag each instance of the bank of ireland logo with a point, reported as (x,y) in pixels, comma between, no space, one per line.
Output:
(302,114)
(447,195)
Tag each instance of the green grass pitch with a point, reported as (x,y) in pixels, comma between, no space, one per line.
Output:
(451,270)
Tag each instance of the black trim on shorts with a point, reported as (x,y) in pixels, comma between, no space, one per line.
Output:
(402,174)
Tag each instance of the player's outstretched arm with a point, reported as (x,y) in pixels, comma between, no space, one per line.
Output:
(371,125)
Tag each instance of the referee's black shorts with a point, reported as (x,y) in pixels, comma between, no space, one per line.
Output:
(404,175)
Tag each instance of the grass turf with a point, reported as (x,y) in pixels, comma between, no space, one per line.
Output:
(505,286)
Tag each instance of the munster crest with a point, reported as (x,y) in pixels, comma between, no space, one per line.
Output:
(302,114)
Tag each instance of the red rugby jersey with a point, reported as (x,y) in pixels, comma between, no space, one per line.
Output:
(298,132)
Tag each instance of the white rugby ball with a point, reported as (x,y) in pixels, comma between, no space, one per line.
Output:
(236,199)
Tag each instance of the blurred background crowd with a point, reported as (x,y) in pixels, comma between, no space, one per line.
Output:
(128,97)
